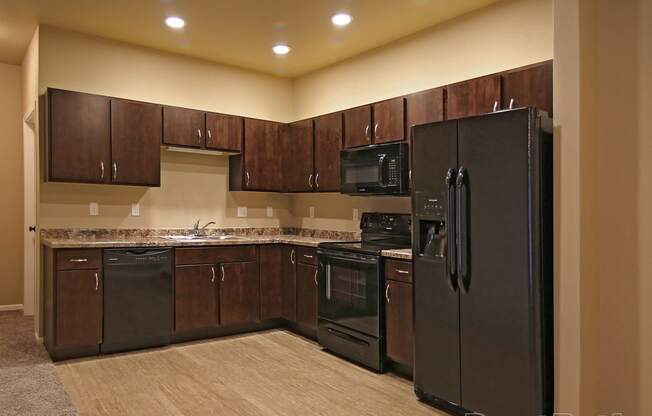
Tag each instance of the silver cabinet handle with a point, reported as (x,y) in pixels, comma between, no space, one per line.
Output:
(246,177)
(317,180)
(208,132)
(101,170)
(316,271)
(213,272)
(293,256)
(222,270)
(308,256)
(78,260)
(115,170)
(387,292)
(199,137)
(376,130)
(511,103)
(97,282)
(366,132)
(495,106)
(401,271)
(310,181)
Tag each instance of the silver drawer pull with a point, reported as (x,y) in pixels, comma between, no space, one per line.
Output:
(401,271)
(307,256)
(78,260)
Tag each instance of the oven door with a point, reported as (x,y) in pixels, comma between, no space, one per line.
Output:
(349,291)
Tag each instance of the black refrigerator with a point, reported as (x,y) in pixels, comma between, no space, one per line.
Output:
(482,250)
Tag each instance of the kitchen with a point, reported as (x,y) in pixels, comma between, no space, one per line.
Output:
(277,162)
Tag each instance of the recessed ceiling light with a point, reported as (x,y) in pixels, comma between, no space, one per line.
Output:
(341,19)
(281,49)
(175,22)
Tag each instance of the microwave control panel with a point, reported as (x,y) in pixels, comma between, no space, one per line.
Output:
(393,171)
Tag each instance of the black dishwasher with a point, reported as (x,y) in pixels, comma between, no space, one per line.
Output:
(137,299)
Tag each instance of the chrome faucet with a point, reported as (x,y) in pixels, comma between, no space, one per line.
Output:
(199,229)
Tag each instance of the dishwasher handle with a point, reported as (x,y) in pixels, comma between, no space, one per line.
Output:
(137,256)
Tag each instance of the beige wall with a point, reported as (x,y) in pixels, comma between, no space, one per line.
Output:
(11,183)
(192,186)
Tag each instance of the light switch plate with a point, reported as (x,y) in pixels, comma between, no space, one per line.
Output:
(270,212)
(135,209)
(312,212)
(242,212)
(356,214)
(93,209)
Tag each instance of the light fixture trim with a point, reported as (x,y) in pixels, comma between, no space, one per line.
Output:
(281,49)
(341,19)
(175,22)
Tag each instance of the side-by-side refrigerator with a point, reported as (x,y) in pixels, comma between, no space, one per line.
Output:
(482,250)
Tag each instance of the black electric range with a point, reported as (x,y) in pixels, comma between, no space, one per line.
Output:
(350,282)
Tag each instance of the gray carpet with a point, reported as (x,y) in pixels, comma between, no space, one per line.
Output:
(28,380)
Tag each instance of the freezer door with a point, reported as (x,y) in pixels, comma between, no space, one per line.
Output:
(498,333)
(436,315)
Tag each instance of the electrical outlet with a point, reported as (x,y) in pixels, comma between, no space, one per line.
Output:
(270,212)
(135,209)
(312,212)
(356,214)
(242,212)
(93,209)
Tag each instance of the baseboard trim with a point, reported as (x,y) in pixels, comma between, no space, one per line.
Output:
(38,339)
(4,308)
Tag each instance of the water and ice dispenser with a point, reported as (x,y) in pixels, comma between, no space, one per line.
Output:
(431,225)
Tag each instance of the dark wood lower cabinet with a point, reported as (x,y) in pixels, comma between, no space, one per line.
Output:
(289,281)
(271,282)
(398,320)
(239,293)
(307,295)
(196,300)
(78,301)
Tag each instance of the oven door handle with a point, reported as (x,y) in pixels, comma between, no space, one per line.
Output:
(352,259)
(347,337)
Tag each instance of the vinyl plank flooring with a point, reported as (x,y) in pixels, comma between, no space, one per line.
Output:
(273,373)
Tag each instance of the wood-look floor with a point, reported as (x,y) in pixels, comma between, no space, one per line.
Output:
(268,373)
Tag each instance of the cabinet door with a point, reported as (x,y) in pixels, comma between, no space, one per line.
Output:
(328,144)
(195,297)
(389,121)
(79,308)
(307,295)
(136,133)
(223,132)
(239,293)
(357,127)
(78,140)
(398,319)
(424,107)
(262,156)
(289,277)
(183,127)
(529,87)
(477,96)
(298,152)
(271,282)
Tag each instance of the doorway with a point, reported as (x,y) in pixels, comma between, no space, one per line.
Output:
(29,218)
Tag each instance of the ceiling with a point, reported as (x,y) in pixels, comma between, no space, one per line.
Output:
(233,32)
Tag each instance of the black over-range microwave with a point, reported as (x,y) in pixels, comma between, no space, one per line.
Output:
(375,170)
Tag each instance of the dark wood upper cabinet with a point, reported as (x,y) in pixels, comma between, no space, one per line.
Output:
(307,296)
(239,293)
(79,146)
(298,156)
(398,319)
(271,282)
(357,127)
(424,107)
(78,302)
(389,120)
(328,144)
(195,297)
(470,98)
(289,278)
(136,132)
(183,127)
(258,168)
(529,87)
(224,132)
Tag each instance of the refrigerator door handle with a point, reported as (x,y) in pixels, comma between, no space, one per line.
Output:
(462,230)
(451,230)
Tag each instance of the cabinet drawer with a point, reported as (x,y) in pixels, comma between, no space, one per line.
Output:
(398,270)
(79,259)
(213,255)
(307,255)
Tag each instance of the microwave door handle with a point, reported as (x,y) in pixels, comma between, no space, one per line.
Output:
(381,165)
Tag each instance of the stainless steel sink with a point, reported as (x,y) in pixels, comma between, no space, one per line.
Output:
(195,237)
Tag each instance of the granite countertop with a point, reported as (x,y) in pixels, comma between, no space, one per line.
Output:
(404,254)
